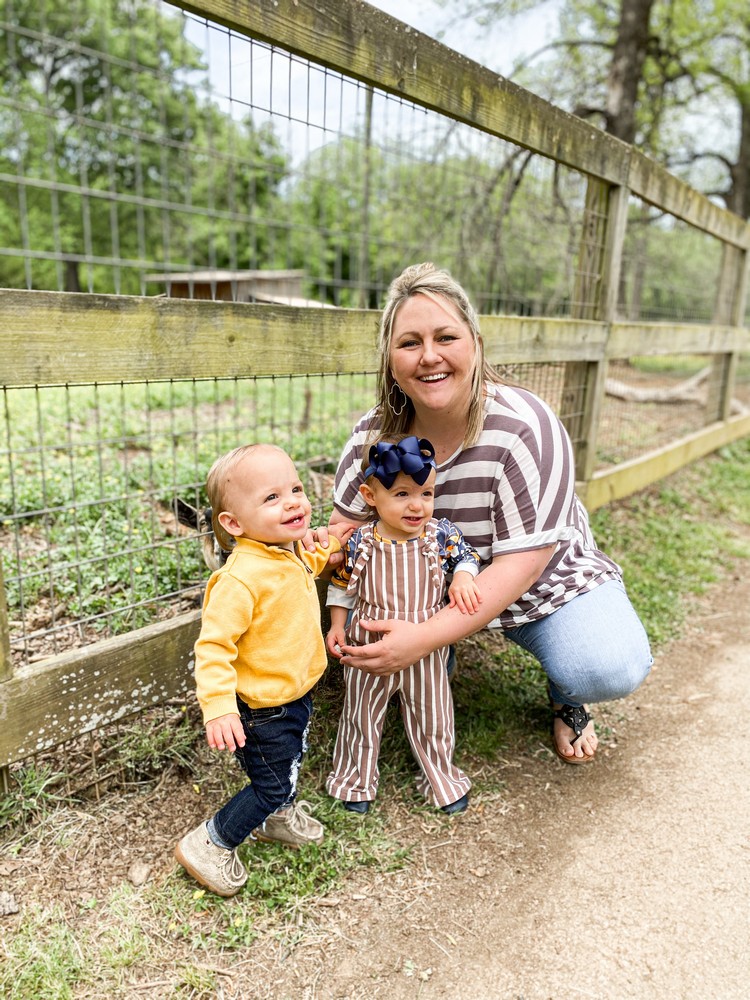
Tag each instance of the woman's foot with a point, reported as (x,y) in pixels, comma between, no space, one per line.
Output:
(570,747)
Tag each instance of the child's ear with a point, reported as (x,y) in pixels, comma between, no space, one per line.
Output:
(229,523)
(367,495)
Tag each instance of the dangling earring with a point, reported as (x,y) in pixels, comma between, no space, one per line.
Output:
(403,401)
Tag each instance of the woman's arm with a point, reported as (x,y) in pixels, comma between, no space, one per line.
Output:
(403,643)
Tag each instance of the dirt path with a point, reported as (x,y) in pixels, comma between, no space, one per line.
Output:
(630,878)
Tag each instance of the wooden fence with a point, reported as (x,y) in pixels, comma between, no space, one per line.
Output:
(69,339)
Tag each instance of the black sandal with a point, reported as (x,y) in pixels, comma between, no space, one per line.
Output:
(576,718)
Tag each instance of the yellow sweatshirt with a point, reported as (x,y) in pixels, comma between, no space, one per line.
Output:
(260,633)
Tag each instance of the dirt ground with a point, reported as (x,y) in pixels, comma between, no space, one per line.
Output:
(628,878)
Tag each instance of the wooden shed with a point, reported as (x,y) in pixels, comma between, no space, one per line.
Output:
(280,287)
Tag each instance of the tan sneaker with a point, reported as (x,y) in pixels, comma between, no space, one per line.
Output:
(217,868)
(293,826)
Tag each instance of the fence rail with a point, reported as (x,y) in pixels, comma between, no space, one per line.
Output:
(64,339)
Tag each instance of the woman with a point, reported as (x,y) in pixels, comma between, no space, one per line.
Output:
(505,476)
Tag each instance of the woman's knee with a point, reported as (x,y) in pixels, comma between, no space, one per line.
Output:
(606,675)
(625,678)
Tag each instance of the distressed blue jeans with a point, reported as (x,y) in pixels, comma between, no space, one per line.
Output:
(594,648)
(275,745)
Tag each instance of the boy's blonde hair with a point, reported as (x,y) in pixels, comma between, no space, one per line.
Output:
(216,485)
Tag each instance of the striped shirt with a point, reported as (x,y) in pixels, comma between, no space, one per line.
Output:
(512,491)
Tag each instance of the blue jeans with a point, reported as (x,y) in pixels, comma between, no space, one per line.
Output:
(275,745)
(594,648)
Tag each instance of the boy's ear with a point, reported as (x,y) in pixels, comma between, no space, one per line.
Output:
(229,523)
(367,495)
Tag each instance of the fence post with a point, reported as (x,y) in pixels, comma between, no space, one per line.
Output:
(6,665)
(729,311)
(595,297)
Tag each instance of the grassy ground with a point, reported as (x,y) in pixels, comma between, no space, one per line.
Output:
(673,542)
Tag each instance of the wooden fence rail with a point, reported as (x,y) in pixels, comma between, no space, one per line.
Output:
(57,338)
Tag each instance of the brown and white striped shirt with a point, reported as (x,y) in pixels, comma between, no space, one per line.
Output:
(512,491)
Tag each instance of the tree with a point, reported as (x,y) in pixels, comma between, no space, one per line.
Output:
(123,162)
(656,73)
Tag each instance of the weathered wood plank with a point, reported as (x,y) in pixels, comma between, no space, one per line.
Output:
(629,477)
(728,308)
(517,339)
(117,338)
(110,338)
(627,340)
(45,704)
(584,381)
(652,182)
(59,337)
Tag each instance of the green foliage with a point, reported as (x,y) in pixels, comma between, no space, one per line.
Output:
(467,211)
(31,796)
(42,959)
(146,747)
(673,540)
(106,97)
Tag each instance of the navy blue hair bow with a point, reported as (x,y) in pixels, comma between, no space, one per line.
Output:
(387,460)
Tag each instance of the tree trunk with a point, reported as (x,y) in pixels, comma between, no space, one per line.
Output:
(738,197)
(72,280)
(626,70)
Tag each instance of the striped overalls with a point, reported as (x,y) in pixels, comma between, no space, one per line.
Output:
(397,580)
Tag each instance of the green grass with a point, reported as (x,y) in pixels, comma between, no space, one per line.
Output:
(673,539)
(682,365)
(92,471)
(43,959)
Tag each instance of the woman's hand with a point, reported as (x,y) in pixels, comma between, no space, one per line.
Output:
(401,644)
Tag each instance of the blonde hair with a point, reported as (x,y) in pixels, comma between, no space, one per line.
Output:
(216,487)
(442,288)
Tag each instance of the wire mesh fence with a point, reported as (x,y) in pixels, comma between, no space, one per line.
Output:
(90,474)
(145,142)
(670,271)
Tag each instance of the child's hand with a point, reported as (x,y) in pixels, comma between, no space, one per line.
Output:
(343,530)
(464,593)
(334,640)
(225,733)
(319,536)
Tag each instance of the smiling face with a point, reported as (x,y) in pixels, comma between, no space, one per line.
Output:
(432,355)
(404,509)
(264,499)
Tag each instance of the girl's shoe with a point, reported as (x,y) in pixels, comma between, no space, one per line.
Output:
(459,806)
(356,807)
